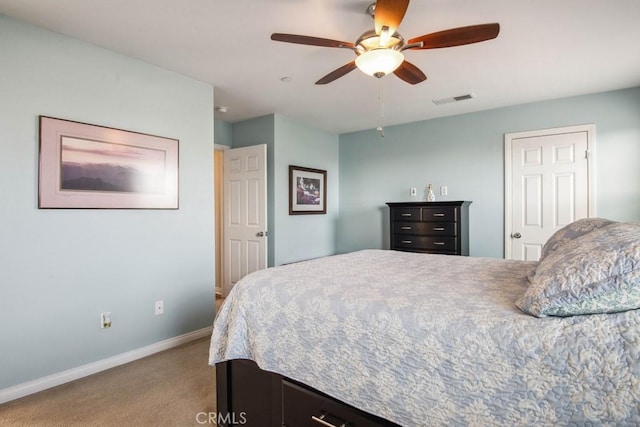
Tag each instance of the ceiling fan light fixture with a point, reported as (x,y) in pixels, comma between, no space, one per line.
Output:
(379,62)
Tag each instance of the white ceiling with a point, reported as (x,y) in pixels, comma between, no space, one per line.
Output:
(546,49)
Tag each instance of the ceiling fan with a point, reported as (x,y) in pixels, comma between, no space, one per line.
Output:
(379,51)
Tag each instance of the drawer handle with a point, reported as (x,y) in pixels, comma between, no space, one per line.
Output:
(439,243)
(438,228)
(406,228)
(438,214)
(407,242)
(407,214)
(320,420)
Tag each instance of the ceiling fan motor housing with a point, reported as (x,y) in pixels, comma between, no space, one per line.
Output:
(369,40)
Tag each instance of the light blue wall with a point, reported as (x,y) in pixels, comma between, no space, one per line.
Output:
(300,237)
(294,237)
(59,269)
(223,133)
(466,154)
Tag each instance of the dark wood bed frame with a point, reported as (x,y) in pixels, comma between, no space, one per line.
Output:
(252,397)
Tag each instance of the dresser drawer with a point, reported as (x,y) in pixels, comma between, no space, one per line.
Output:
(303,408)
(406,214)
(443,244)
(445,213)
(425,228)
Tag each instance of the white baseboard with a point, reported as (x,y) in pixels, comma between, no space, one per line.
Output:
(63,377)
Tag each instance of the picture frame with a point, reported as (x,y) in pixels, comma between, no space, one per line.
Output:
(307,191)
(85,166)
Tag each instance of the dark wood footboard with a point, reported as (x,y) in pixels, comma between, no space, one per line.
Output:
(249,396)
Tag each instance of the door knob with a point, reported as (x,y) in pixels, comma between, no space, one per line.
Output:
(516,235)
(261,233)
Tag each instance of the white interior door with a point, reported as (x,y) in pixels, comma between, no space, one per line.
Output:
(549,182)
(245,213)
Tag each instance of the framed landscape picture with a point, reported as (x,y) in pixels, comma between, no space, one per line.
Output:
(307,191)
(93,167)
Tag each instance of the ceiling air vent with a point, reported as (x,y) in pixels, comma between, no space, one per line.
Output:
(453,99)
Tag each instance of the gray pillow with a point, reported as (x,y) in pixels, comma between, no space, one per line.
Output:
(570,232)
(597,272)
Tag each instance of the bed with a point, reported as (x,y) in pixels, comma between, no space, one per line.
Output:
(399,338)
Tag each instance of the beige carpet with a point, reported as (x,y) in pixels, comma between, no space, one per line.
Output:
(166,389)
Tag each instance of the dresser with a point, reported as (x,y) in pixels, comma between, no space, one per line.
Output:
(430,227)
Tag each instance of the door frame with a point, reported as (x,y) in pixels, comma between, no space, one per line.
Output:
(219,240)
(590,129)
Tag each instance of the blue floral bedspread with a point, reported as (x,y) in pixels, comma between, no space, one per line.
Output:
(433,340)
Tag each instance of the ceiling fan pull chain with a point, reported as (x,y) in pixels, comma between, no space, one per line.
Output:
(380,127)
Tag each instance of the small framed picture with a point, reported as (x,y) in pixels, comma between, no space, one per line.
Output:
(85,166)
(307,191)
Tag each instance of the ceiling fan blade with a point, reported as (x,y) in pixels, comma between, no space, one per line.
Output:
(336,74)
(312,41)
(410,73)
(389,13)
(457,36)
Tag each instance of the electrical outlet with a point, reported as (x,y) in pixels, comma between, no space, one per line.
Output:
(413,191)
(105,320)
(444,190)
(159,308)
